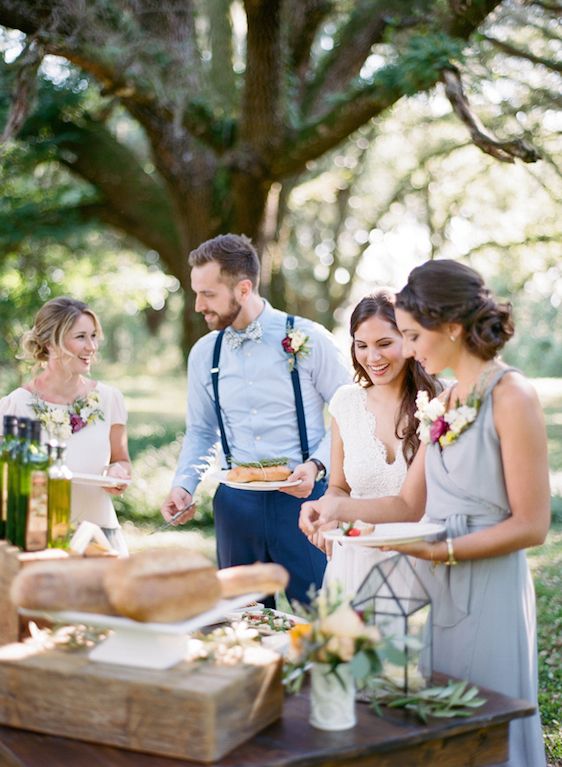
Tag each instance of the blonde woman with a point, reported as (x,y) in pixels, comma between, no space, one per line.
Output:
(88,415)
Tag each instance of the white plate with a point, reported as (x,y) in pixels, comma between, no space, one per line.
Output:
(207,618)
(237,615)
(390,532)
(256,485)
(99,480)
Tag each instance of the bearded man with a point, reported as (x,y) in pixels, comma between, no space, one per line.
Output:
(259,381)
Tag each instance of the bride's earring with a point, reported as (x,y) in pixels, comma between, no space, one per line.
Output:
(453,338)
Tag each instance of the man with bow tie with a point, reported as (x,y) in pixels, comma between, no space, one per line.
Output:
(265,399)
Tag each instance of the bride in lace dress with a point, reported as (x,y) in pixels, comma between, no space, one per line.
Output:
(373,427)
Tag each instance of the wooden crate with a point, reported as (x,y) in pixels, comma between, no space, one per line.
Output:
(12,627)
(191,711)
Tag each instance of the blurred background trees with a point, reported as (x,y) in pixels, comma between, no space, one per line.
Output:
(342,136)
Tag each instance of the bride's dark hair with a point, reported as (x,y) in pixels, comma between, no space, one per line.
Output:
(381,304)
(443,291)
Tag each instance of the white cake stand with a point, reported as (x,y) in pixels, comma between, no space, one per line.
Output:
(144,645)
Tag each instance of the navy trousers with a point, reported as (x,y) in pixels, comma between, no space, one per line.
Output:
(262,526)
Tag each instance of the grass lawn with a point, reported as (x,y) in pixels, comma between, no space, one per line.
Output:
(156,411)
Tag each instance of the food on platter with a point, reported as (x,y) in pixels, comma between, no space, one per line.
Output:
(267,621)
(261,577)
(162,585)
(65,584)
(266,470)
(354,529)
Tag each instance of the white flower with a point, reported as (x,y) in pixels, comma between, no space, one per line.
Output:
(343,622)
(422,400)
(298,339)
(434,409)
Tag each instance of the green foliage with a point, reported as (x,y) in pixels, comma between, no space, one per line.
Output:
(420,63)
(443,701)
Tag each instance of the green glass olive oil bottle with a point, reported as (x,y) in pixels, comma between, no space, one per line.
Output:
(10,438)
(60,476)
(33,486)
(14,496)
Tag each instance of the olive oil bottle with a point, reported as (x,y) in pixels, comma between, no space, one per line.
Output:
(32,519)
(60,476)
(10,429)
(14,499)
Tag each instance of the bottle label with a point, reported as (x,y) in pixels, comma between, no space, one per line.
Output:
(36,532)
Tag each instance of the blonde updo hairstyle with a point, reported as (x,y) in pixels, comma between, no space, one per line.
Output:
(52,323)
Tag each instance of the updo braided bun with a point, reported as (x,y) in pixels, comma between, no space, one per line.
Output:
(445,291)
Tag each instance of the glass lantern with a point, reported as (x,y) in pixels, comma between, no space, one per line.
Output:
(393,598)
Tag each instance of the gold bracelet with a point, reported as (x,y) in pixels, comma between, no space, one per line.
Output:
(433,562)
(451,551)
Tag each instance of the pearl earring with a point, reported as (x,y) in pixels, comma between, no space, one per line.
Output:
(453,338)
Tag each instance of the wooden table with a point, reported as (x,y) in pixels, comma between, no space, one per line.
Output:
(395,741)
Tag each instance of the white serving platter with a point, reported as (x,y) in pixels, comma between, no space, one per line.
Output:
(144,645)
(99,480)
(388,533)
(256,485)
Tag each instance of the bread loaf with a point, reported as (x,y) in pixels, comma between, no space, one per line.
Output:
(65,584)
(258,474)
(261,577)
(163,585)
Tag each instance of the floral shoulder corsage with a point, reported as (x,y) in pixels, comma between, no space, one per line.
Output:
(61,422)
(444,427)
(296,343)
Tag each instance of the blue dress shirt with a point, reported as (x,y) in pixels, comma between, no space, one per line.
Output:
(257,399)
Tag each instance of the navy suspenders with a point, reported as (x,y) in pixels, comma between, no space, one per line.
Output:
(301,420)
(215,382)
(295,380)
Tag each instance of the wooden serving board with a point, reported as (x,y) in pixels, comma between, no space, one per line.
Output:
(192,711)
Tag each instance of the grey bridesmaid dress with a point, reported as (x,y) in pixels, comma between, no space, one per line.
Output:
(484,624)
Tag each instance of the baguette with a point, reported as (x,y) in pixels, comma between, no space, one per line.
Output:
(258,474)
(163,585)
(66,584)
(261,577)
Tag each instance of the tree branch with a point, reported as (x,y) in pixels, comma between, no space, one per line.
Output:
(505,151)
(303,20)
(24,91)
(366,25)
(131,199)
(513,51)
(261,123)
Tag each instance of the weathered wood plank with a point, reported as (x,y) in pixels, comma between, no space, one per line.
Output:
(199,712)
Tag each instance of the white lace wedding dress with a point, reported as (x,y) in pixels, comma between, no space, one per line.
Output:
(368,474)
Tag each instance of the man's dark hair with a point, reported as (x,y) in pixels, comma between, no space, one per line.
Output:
(235,255)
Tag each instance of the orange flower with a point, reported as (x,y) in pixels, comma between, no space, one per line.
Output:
(299,632)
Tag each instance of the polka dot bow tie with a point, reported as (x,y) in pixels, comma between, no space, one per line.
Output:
(235,340)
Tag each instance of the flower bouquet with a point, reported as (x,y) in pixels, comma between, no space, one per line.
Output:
(341,652)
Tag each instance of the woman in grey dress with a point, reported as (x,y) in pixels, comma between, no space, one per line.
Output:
(482,472)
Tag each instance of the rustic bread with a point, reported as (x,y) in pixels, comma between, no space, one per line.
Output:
(163,585)
(261,577)
(258,474)
(65,584)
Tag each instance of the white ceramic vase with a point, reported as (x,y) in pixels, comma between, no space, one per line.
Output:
(332,702)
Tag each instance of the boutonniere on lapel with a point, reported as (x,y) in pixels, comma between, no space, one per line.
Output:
(296,343)
(444,427)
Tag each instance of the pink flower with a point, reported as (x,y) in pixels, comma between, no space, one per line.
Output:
(287,346)
(77,423)
(438,428)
